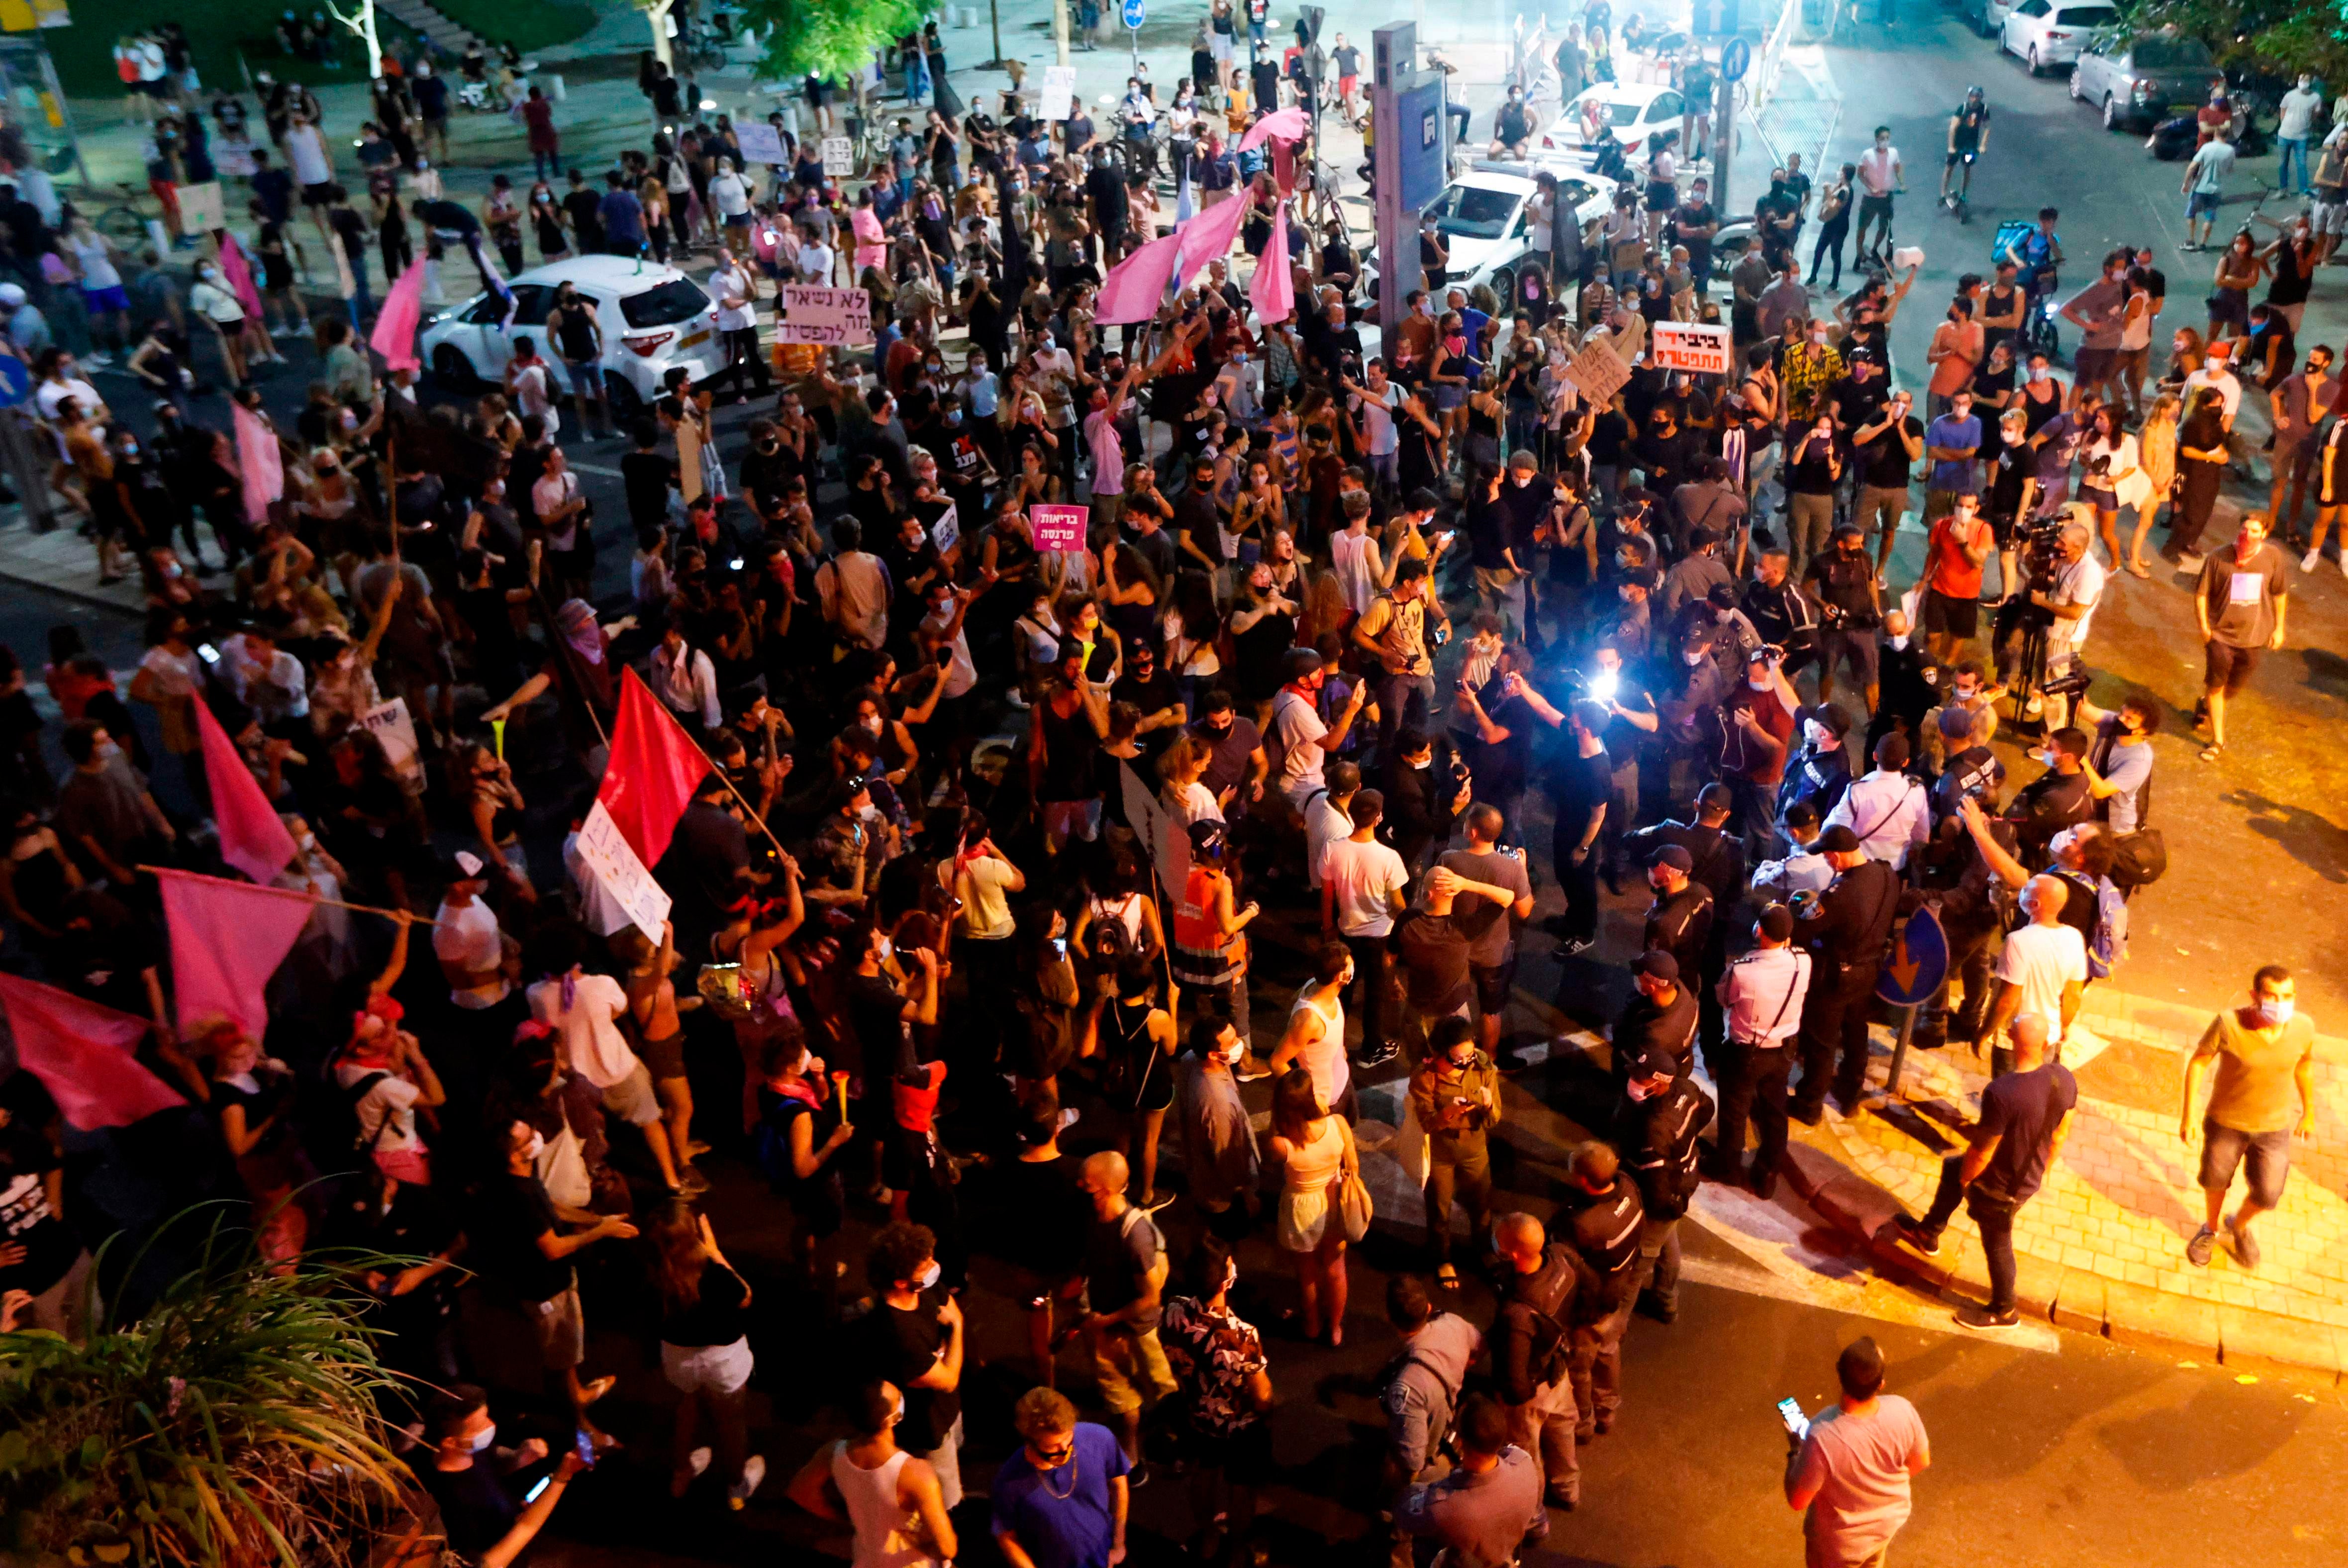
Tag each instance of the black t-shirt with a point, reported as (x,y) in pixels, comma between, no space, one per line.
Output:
(1107,191)
(720,1317)
(1846,584)
(1886,458)
(900,1346)
(1811,476)
(1503,769)
(2022,1110)
(1608,434)
(1858,402)
(1669,1028)
(585,210)
(1579,785)
(1040,1215)
(25,1217)
(1971,120)
(1159,693)
(644,476)
(1434,953)
(1117,1253)
(1488,535)
(505,1225)
(876,1010)
(476,1509)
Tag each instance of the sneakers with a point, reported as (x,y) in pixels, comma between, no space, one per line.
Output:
(1574,947)
(2246,1248)
(2312,560)
(1656,1308)
(1913,1233)
(2189,562)
(1252,1067)
(1981,1319)
(1377,1057)
(2198,1249)
(754,1471)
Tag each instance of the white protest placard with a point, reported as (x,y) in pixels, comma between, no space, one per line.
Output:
(838,158)
(607,856)
(1059,99)
(234,156)
(760,143)
(201,209)
(946,533)
(837,317)
(1166,834)
(1598,373)
(395,731)
(1695,345)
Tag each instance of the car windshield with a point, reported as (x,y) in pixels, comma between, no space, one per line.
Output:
(2170,54)
(1474,210)
(2083,15)
(1621,114)
(674,301)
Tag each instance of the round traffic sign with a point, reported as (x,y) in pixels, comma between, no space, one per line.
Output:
(1133,13)
(15,381)
(1917,962)
(1735,60)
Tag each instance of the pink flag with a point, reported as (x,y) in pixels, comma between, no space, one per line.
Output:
(1283,169)
(1272,290)
(81,1053)
(260,462)
(227,939)
(395,328)
(252,838)
(240,275)
(1208,236)
(1288,124)
(654,770)
(1134,286)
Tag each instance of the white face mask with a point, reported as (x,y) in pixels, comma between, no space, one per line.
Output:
(1762,684)
(1821,737)
(871,724)
(886,948)
(485,1437)
(1233,1052)
(534,1147)
(928,1276)
(2276,1014)
(1693,659)
(1900,642)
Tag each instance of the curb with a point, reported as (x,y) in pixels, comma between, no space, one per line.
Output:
(2241,1339)
(9,574)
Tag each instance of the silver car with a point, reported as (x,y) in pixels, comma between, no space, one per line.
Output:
(2135,80)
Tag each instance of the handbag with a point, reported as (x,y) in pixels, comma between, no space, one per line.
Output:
(1353,1206)
(726,989)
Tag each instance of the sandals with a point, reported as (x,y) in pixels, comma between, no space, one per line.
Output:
(2211,752)
(1448,1277)
(2139,569)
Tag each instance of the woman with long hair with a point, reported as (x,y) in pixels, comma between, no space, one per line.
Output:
(760,1001)
(2113,475)
(2200,468)
(1317,1150)
(2156,454)
(1194,631)
(705,1351)
(2239,271)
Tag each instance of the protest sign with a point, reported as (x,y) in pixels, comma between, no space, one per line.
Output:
(946,533)
(605,854)
(759,142)
(395,731)
(1696,346)
(201,209)
(1059,95)
(1598,373)
(839,157)
(836,317)
(1058,527)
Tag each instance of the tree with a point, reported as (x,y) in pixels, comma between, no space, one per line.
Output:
(362,22)
(656,13)
(2276,35)
(828,38)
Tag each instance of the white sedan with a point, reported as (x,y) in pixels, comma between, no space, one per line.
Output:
(654,318)
(1635,110)
(2043,33)
(1483,219)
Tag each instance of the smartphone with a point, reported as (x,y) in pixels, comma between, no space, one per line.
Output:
(583,1445)
(1789,1411)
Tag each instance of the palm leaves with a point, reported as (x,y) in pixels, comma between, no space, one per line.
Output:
(232,1423)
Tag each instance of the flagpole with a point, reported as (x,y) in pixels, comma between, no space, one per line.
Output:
(408,915)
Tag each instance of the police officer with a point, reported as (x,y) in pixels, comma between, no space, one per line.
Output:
(1544,1286)
(1679,920)
(1660,1017)
(1605,1230)
(1762,994)
(1845,928)
(1422,1394)
(1718,867)
(1657,1123)
(1820,770)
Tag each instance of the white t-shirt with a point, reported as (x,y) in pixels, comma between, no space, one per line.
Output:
(1324,825)
(49,394)
(98,270)
(1860,1466)
(305,150)
(2229,385)
(2299,107)
(216,303)
(2212,161)
(730,195)
(1360,877)
(815,262)
(2041,960)
(1300,732)
(1542,212)
(2081,582)
(1875,170)
(393,1098)
(592,1043)
(730,282)
(534,390)
(469,938)
(1378,419)
(1195,803)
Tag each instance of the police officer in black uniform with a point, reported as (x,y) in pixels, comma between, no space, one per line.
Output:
(1545,1287)
(1819,770)
(1717,865)
(1661,1015)
(1658,1124)
(1845,928)
(1680,920)
(1605,1230)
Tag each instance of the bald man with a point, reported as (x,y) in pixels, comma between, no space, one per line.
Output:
(1543,1285)
(2024,1117)
(2042,970)
(1125,1277)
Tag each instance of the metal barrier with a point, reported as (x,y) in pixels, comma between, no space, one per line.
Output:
(1771,63)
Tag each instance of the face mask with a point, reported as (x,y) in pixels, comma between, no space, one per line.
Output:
(1426,310)
(2039,373)
(2276,1013)
(1762,684)
(534,1147)
(1693,659)
(107,751)
(1232,1053)
(870,724)
(1820,737)
(886,948)
(1900,642)
(129,448)
(487,1436)
(928,1276)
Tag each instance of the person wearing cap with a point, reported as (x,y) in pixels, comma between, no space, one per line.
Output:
(1680,918)
(1842,583)
(1692,578)
(475,957)
(1605,1228)
(1845,928)
(1762,993)
(1303,740)
(1658,1124)
(1889,811)
(26,328)
(1802,869)
(1394,631)
(1819,770)
(1848,1468)
(1661,1016)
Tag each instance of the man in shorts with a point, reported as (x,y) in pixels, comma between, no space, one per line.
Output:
(1951,579)
(1880,177)
(2265,1057)
(1125,1280)
(2329,216)
(2241,608)
(2205,187)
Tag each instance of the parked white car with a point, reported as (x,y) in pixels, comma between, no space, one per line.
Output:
(1482,218)
(654,317)
(2043,33)
(1635,110)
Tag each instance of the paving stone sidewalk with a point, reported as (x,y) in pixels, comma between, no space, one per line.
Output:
(2102,1246)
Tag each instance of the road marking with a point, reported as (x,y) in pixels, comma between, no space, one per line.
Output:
(598,468)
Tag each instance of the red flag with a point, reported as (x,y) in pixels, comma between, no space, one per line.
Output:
(252,838)
(81,1053)
(395,325)
(654,768)
(227,939)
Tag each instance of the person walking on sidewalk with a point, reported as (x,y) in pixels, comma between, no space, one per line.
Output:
(2024,1117)
(2264,1054)
(1849,1467)
(2241,607)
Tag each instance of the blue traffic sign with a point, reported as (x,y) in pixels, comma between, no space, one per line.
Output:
(1133,13)
(1917,962)
(1735,60)
(15,381)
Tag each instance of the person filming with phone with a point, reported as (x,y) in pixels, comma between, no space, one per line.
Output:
(1848,1468)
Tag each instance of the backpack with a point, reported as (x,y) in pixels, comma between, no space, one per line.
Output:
(2139,859)
(2107,948)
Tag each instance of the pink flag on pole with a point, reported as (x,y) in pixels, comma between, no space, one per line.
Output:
(1134,286)
(227,939)
(260,462)
(239,276)
(81,1053)
(252,838)
(1283,169)
(1272,290)
(1288,125)
(1208,236)
(395,328)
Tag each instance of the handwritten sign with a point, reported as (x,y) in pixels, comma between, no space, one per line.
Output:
(607,857)
(946,533)
(1598,373)
(838,158)
(1168,836)
(1695,345)
(1058,98)
(394,730)
(201,209)
(1058,528)
(837,317)
(760,143)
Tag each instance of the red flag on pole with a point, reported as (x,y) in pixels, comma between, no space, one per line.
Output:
(227,939)
(81,1053)
(252,838)
(654,768)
